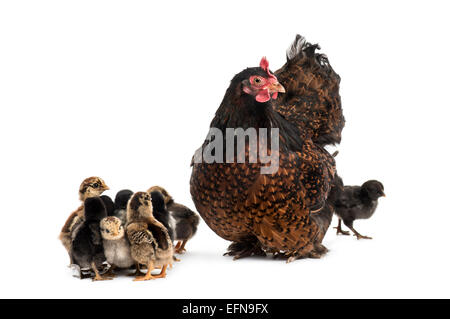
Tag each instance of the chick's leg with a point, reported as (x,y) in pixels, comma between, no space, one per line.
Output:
(110,272)
(97,274)
(148,275)
(339,229)
(178,245)
(181,248)
(138,271)
(162,274)
(355,233)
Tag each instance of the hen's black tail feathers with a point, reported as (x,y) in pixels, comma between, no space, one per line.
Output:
(301,48)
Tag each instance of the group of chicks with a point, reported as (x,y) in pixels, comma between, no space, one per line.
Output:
(136,230)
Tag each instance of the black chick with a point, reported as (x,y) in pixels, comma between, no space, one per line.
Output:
(109,204)
(87,246)
(184,222)
(161,214)
(120,204)
(356,202)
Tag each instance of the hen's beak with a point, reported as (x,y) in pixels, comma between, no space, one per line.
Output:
(276,87)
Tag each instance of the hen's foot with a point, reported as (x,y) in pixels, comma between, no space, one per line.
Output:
(248,248)
(317,252)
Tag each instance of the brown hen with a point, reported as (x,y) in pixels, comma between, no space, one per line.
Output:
(283,212)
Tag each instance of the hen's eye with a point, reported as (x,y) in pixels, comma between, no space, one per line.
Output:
(257,80)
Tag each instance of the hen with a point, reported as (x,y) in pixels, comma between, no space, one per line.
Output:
(283,212)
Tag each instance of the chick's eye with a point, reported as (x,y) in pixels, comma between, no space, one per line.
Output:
(95,185)
(107,231)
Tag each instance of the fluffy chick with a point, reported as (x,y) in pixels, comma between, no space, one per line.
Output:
(115,244)
(87,247)
(90,187)
(109,204)
(161,213)
(185,220)
(356,202)
(120,204)
(149,239)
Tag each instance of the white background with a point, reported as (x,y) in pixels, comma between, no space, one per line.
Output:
(126,90)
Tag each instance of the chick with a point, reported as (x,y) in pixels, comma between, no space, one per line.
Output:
(87,247)
(356,202)
(186,221)
(115,244)
(161,214)
(120,205)
(90,187)
(109,204)
(149,239)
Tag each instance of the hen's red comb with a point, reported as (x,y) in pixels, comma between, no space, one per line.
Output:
(264,64)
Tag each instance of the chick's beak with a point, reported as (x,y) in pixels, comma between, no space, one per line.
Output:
(276,87)
(105,187)
(383,194)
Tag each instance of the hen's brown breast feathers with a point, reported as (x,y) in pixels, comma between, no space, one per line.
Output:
(236,200)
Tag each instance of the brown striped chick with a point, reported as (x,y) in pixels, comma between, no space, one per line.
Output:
(149,239)
(90,187)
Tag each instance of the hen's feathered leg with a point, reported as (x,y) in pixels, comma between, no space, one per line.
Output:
(246,248)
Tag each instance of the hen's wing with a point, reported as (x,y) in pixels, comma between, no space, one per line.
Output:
(301,185)
(312,100)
